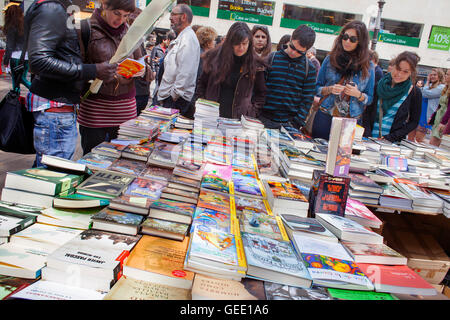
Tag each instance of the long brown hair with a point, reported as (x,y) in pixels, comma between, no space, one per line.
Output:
(219,60)
(440,75)
(13,19)
(360,56)
(268,48)
(412,59)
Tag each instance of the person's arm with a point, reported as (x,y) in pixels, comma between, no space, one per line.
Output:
(47,30)
(431,93)
(415,108)
(259,92)
(10,44)
(321,79)
(308,90)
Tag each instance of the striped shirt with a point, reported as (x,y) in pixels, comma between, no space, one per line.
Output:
(289,94)
(37,103)
(102,113)
(388,118)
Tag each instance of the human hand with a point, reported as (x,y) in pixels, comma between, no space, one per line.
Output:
(351,90)
(105,70)
(139,73)
(337,89)
(441,127)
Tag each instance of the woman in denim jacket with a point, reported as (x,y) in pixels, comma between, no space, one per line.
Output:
(346,79)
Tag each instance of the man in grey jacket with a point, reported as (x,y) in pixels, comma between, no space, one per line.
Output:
(177,85)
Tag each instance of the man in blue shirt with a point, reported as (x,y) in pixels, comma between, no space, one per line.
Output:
(290,81)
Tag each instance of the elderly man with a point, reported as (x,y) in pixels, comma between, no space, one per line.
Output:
(178,82)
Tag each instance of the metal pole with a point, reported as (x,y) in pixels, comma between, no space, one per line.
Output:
(377,24)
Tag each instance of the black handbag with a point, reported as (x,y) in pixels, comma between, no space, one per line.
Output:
(16,123)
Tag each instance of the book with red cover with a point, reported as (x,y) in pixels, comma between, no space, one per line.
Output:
(357,211)
(396,279)
(329,195)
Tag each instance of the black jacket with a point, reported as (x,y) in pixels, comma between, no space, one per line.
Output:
(407,116)
(14,42)
(54,52)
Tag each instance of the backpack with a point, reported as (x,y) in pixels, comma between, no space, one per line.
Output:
(85,35)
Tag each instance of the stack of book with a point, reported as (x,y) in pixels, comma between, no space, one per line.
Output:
(184,123)
(251,123)
(392,197)
(157,113)
(139,152)
(364,189)
(422,199)
(295,164)
(164,154)
(109,149)
(206,113)
(14,218)
(138,128)
(285,197)
(38,186)
(445,142)
(96,255)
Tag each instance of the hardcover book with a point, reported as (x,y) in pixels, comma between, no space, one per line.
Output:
(159,261)
(374,253)
(214,200)
(164,228)
(342,134)
(42,181)
(216,177)
(346,229)
(331,195)
(105,184)
(397,279)
(274,261)
(128,166)
(330,265)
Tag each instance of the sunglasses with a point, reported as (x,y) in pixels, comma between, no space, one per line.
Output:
(353,39)
(291,45)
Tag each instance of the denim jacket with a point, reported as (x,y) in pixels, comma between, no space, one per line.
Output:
(328,76)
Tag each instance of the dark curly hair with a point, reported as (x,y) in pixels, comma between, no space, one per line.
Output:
(13,19)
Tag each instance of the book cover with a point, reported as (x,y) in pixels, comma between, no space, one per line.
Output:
(164,226)
(155,255)
(277,291)
(174,206)
(96,161)
(214,200)
(183,182)
(274,255)
(79,218)
(397,279)
(153,172)
(137,151)
(128,166)
(309,226)
(41,180)
(332,195)
(374,253)
(118,217)
(286,191)
(209,288)
(129,67)
(64,165)
(104,183)
(216,177)
(212,219)
(246,203)
(14,221)
(213,247)
(109,149)
(76,200)
(246,182)
(260,224)
(145,188)
(10,285)
(357,211)
(330,265)
(165,154)
(363,182)
(342,134)
(127,288)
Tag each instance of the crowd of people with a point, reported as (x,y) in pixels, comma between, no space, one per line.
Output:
(241,71)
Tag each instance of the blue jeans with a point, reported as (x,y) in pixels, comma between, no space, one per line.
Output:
(55,133)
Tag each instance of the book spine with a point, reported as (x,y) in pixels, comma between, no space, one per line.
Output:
(282,228)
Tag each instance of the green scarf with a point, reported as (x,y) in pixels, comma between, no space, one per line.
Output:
(391,95)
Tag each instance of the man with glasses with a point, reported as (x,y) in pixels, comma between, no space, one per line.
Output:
(178,82)
(290,81)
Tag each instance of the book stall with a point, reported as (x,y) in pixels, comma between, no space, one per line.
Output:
(226,209)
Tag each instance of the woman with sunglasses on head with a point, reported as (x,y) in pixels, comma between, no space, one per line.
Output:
(233,75)
(398,101)
(346,79)
(261,40)
(101,114)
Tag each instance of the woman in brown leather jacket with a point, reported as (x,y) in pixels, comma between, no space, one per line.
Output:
(101,114)
(233,75)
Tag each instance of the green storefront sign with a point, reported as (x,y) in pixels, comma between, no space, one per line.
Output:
(439,38)
(251,11)
(330,29)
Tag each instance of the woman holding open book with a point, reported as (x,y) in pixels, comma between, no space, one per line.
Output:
(233,75)
(346,79)
(398,101)
(101,114)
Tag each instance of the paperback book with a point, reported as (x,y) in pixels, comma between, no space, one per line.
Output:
(105,184)
(172,210)
(163,228)
(117,221)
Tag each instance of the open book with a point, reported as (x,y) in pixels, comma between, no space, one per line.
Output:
(130,67)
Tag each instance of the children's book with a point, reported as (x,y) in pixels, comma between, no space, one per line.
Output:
(253,204)
(216,177)
(214,200)
(246,183)
(209,218)
(261,224)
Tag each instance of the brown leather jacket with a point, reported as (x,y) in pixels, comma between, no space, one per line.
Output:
(248,97)
(101,47)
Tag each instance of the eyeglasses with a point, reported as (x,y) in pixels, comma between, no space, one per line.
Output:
(353,39)
(291,45)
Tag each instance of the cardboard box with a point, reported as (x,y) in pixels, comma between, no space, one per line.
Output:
(425,255)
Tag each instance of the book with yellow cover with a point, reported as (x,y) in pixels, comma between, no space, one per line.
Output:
(159,260)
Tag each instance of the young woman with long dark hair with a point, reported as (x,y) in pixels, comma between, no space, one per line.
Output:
(346,79)
(261,40)
(233,75)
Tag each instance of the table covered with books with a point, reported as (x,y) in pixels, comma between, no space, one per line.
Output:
(226,209)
